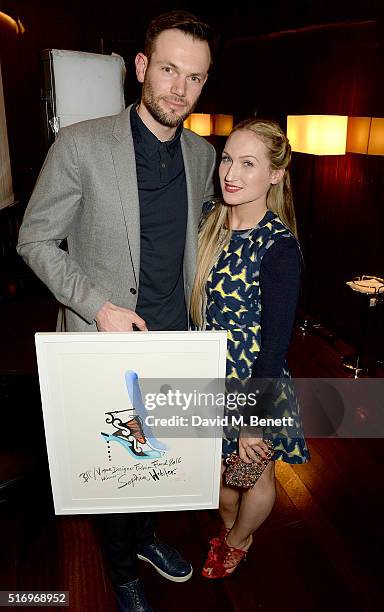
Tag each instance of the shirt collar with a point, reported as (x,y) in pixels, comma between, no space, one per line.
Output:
(141,134)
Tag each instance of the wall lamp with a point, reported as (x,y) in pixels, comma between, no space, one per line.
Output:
(12,23)
(205,124)
(365,135)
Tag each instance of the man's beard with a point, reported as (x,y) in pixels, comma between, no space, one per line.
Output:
(170,119)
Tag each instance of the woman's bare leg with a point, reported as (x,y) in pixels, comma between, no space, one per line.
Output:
(242,513)
(229,502)
(255,506)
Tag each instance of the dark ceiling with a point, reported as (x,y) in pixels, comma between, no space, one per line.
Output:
(126,20)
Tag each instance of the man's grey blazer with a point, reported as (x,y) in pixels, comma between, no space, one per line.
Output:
(87,193)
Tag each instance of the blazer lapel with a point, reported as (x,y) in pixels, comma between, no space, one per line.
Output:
(123,154)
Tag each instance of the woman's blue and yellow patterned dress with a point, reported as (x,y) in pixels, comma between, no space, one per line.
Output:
(234,304)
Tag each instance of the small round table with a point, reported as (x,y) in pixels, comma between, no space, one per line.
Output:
(365,360)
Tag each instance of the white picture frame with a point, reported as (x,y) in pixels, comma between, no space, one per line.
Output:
(86,398)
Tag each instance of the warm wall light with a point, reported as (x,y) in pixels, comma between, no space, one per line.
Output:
(200,123)
(205,124)
(376,137)
(222,125)
(317,134)
(16,25)
(365,135)
(21,28)
(358,134)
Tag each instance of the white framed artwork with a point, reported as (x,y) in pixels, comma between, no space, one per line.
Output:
(104,453)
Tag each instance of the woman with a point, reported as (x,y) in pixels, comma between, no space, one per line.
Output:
(247,282)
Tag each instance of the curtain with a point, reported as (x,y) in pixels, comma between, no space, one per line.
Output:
(6,189)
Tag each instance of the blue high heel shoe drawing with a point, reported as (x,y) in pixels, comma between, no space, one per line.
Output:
(131,430)
(134,392)
(138,453)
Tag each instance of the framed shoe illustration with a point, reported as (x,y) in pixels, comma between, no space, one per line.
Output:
(132,421)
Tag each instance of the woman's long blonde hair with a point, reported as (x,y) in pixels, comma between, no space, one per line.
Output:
(215,231)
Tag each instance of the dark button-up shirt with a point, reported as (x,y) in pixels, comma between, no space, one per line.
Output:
(163,222)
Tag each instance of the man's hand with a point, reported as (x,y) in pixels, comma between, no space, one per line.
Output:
(111,318)
(250,448)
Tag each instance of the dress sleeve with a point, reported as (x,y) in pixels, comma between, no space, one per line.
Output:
(279,291)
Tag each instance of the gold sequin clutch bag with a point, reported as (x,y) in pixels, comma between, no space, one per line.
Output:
(245,475)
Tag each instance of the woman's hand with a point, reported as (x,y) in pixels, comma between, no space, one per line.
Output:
(251,449)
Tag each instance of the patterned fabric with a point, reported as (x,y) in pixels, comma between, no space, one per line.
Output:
(234,304)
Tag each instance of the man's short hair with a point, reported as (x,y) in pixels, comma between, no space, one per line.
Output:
(183,21)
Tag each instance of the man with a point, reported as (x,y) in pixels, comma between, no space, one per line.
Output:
(126,194)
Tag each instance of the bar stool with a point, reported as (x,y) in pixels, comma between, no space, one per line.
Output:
(371,289)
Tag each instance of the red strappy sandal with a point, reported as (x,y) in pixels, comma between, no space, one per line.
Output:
(224,562)
(215,544)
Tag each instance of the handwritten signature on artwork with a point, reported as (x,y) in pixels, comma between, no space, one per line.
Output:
(131,475)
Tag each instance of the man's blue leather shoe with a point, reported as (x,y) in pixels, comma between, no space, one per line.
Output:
(166,560)
(130,597)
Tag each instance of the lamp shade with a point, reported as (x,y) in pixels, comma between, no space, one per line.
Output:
(376,137)
(17,26)
(358,134)
(365,135)
(318,134)
(200,123)
(222,125)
